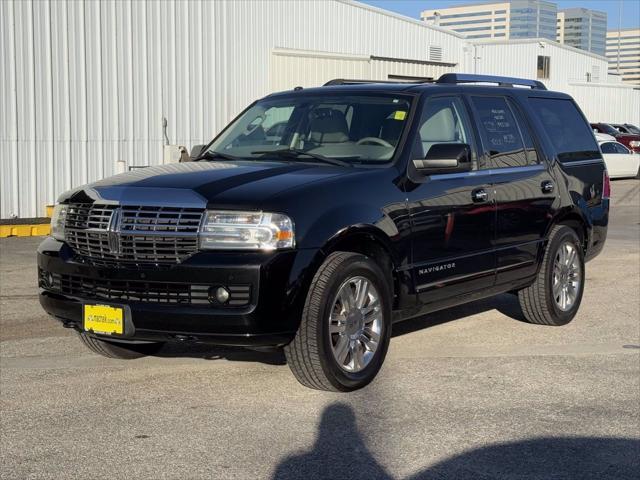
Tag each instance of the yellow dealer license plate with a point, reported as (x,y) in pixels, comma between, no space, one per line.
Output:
(104,319)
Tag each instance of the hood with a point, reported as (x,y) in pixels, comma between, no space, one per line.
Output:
(200,184)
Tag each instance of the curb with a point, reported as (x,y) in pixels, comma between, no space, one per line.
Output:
(29,230)
(27,227)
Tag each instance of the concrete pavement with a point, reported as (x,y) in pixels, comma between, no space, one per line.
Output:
(472,392)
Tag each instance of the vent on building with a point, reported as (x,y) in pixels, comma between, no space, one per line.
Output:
(435,54)
(595,73)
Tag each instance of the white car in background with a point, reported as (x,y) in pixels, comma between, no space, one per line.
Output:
(603,137)
(620,161)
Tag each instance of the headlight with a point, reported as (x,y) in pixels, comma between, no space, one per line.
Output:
(58,219)
(246,230)
(634,143)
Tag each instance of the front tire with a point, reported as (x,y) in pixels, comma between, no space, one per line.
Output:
(555,296)
(123,351)
(345,327)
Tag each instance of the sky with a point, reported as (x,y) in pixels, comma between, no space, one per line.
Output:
(630,8)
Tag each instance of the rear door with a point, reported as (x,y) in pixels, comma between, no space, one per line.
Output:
(576,160)
(523,187)
(452,215)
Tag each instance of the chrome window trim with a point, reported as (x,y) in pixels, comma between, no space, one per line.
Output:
(576,163)
(488,171)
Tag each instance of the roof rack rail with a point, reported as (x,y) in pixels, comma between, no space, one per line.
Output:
(501,81)
(346,81)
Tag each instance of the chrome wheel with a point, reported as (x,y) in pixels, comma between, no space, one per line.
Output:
(566,276)
(355,324)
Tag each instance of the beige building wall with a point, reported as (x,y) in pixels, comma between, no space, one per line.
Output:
(307,68)
(623,52)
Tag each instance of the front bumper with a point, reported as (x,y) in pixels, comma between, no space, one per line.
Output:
(172,303)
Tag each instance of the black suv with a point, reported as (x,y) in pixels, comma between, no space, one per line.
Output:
(319,217)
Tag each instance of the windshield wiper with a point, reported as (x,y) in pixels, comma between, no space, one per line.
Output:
(293,153)
(212,155)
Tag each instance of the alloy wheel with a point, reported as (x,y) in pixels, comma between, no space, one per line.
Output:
(566,282)
(355,324)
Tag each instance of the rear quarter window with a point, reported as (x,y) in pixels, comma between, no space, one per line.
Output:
(565,126)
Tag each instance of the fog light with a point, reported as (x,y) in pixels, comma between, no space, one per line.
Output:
(219,295)
(46,280)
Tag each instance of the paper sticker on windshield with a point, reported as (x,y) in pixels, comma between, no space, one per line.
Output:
(399,115)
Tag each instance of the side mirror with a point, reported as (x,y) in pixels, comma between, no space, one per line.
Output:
(445,158)
(196,151)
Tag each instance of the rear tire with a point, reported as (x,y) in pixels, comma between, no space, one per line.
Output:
(335,350)
(555,296)
(123,351)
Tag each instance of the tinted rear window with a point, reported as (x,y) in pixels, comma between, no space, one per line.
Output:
(570,134)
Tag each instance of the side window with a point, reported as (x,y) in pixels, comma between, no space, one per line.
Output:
(443,121)
(570,135)
(500,133)
(530,148)
(621,148)
(608,147)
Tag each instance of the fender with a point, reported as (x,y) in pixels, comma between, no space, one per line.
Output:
(354,235)
(579,214)
(337,222)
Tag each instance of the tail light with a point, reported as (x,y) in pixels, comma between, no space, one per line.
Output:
(606,185)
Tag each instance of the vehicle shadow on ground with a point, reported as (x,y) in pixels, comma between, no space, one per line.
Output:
(506,304)
(214,352)
(339,452)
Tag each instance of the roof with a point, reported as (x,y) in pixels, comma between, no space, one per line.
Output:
(553,43)
(404,18)
(399,87)
(410,87)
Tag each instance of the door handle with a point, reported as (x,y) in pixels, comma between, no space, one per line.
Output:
(547,186)
(480,195)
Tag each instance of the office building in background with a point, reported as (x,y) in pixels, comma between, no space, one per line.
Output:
(623,52)
(500,20)
(577,27)
(583,28)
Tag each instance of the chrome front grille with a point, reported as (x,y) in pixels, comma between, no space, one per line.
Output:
(108,234)
(160,219)
(88,216)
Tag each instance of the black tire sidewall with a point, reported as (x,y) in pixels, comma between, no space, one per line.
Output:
(563,317)
(339,378)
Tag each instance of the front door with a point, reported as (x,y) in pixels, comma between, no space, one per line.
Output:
(452,215)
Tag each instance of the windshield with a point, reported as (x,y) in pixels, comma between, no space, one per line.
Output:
(609,130)
(349,128)
(632,129)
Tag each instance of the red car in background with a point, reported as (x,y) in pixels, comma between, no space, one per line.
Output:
(631,141)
